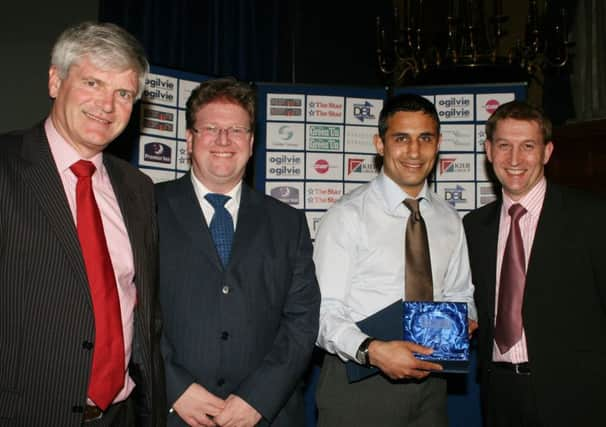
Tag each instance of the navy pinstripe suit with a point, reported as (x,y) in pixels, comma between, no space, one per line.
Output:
(46,317)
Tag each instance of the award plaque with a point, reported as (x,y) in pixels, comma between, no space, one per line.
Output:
(441,326)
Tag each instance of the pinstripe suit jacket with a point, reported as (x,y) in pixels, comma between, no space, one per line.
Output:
(46,316)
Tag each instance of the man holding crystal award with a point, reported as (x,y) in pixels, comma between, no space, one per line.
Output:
(388,241)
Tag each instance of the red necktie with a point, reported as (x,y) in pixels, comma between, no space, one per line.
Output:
(508,327)
(107,375)
(418,279)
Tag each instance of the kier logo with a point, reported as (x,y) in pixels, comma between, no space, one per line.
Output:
(446,165)
(354,165)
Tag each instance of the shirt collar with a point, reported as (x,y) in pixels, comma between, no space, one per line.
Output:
(64,154)
(201,190)
(393,195)
(531,201)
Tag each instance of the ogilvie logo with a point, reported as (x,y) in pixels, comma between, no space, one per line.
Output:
(157,152)
(491,105)
(321,166)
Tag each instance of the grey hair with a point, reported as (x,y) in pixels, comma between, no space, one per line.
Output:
(105,45)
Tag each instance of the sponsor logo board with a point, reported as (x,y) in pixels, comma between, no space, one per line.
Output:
(158,175)
(453,108)
(290,193)
(160,89)
(325,109)
(360,167)
(183,157)
(359,139)
(181,124)
(284,165)
(455,167)
(351,186)
(159,121)
(460,195)
(480,138)
(324,166)
(457,137)
(487,103)
(483,168)
(486,193)
(362,111)
(156,152)
(321,195)
(313,221)
(324,137)
(285,107)
(185,89)
(285,136)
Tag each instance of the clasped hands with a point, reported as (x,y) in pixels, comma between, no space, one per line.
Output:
(199,407)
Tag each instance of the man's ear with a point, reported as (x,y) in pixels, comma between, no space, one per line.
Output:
(378,143)
(54,81)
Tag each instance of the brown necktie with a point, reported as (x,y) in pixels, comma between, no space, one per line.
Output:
(107,373)
(419,284)
(508,327)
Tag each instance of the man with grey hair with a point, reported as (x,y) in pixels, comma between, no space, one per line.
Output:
(79,316)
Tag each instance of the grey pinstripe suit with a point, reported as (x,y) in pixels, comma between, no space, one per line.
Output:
(46,317)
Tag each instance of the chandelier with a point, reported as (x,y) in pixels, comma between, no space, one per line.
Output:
(468,44)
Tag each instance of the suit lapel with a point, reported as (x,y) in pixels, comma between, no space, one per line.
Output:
(184,202)
(249,224)
(547,236)
(46,186)
(489,235)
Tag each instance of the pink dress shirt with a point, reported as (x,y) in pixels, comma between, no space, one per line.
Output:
(118,243)
(533,202)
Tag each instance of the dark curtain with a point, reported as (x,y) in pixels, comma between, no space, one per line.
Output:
(249,39)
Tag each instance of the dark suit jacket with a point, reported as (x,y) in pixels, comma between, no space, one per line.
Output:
(249,329)
(564,309)
(46,315)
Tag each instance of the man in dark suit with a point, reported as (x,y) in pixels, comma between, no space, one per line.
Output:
(542,350)
(241,319)
(55,306)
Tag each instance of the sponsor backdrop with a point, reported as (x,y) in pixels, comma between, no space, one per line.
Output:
(314,143)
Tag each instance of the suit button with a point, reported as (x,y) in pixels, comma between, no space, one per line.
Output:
(225,290)
(224,335)
(87,345)
(220,382)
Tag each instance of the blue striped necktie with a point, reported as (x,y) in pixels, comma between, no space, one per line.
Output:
(221,226)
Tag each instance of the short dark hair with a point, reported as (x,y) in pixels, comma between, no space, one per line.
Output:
(227,89)
(519,110)
(406,102)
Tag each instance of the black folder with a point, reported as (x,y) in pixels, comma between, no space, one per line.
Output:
(385,325)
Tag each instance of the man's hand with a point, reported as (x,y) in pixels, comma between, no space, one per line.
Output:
(473,325)
(237,413)
(197,406)
(396,360)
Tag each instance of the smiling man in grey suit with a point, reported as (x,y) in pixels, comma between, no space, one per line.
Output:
(542,350)
(240,307)
(79,326)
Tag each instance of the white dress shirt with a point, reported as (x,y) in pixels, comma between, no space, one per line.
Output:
(359,257)
(232,205)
